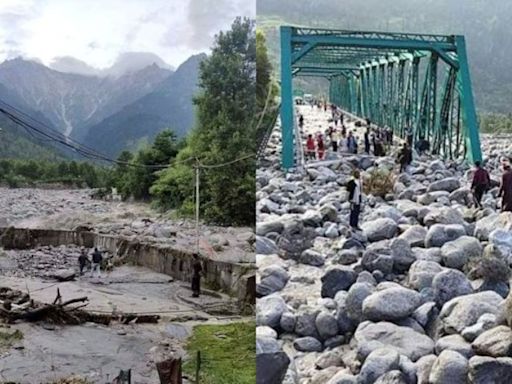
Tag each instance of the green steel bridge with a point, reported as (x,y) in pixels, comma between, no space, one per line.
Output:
(402,80)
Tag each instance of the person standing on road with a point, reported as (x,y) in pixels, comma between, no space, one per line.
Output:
(405,157)
(197,269)
(97,258)
(82,260)
(506,189)
(335,138)
(320,146)
(480,184)
(310,147)
(351,143)
(355,197)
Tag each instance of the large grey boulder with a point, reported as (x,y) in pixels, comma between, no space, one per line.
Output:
(439,234)
(455,343)
(487,224)
(495,342)
(414,236)
(266,246)
(464,311)
(269,310)
(402,254)
(487,370)
(354,301)
(449,284)
(269,226)
(378,362)
(444,215)
(326,325)
(336,279)
(271,361)
(305,324)
(450,367)
(272,279)
(424,367)
(307,344)
(379,229)
(312,257)
(448,184)
(370,336)
(456,253)
(422,273)
(391,304)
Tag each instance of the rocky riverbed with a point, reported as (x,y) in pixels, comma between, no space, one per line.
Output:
(418,296)
(69,209)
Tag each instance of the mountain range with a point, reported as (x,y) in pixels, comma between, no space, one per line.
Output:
(110,110)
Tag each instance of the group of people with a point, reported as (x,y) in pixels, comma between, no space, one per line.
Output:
(377,137)
(95,262)
(481,183)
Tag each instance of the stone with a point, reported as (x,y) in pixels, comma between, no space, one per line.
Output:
(266,246)
(329,212)
(402,255)
(336,279)
(391,304)
(265,331)
(346,257)
(379,229)
(448,184)
(378,362)
(343,378)
(487,224)
(64,274)
(326,325)
(495,342)
(307,344)
(392,377)
(269,226)
(372,261)
(450,367)
(425,314)
(454,343)
(272,279)
(486,370)
(438,234)
(464,311)
(457,253)
(422,273)
(271,362)
(332,231)
(449,284)
(269,310)
(370,336)
(311,257)
(305,324)
(329,359)
(354,301)
(423,368)
(501,238)
(414,236)
(288,321)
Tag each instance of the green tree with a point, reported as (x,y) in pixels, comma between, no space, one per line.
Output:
(225,132)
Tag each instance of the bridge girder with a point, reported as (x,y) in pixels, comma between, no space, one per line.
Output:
(391,78)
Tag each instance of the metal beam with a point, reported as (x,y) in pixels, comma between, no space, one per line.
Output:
(287,119)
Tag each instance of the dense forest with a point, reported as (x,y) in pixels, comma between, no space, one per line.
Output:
(229,112)
(485,25)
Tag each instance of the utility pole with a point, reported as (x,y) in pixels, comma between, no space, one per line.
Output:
(197,206)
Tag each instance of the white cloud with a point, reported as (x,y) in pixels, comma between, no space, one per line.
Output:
(97,31)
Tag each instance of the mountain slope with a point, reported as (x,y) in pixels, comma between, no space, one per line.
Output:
(168,106)
(72,101)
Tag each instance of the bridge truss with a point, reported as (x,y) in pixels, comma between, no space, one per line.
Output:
(395,79)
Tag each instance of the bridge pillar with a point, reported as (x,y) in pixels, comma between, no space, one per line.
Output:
(287,119)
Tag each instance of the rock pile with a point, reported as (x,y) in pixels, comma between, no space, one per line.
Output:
(419,296)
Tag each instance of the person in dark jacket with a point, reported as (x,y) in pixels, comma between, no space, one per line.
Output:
(480,184)
(82,260)
(405,157)
(505,191)
(196,275)
(367,140)
(96,262)
(355,197)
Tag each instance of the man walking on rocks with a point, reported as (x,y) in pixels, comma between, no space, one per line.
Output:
(351,143)
(367,140)
(82,260)
(196,275)
(480,184)
(355,196)
(96,262)
(506,189)
(405,157)
(310,147)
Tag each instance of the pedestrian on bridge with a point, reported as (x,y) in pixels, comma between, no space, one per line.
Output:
(301,121)
(335,138)
(196,275)
(355,196)
(320,147)
(351,143)
(97,258)
(505,191)
(480,184)
(310,148)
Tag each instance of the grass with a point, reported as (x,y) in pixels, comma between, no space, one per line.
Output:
(228,353)
(8,339)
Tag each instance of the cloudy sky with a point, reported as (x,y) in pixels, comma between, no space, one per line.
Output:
(96,31)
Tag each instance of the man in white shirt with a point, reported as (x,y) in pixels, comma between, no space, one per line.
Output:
(355,190)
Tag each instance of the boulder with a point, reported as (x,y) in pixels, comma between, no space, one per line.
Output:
(378,362)
(439,234)
(370,336)
(449,284)
(422,273)
(379,229)
(450,367)
(307,344)
(354,301)
(269,310)
(391,304)
(495,342)
(271,362)
(311,257)
(486,370)
(266,246)
(448,184)
(456,253)
(336,279)
(402,255)
(414,236)
(326,325)
(272,279)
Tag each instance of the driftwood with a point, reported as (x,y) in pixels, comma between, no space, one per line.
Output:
(16,305)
